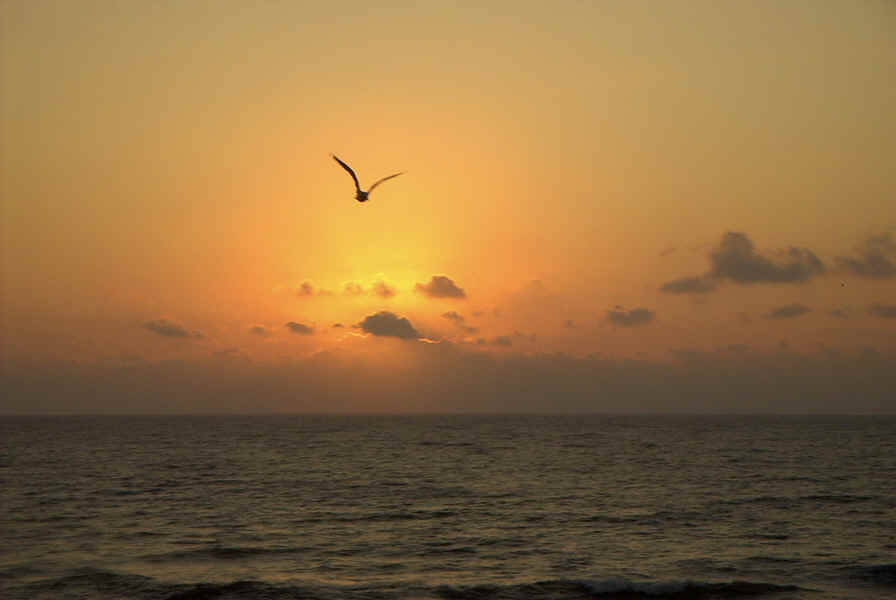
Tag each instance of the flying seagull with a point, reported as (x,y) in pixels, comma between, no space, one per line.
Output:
(361,195)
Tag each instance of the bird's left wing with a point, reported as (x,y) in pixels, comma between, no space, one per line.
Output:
(350,172)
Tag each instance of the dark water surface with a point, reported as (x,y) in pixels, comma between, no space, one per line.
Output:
(456,507)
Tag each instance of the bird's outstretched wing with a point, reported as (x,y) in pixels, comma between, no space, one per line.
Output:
(382,180)
(350,172)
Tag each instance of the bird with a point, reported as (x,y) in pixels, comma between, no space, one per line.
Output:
(361,195)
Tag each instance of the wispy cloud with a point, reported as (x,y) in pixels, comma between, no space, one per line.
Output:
(688,285)
(630,318)
(886,311)
(877,258)
(170,329)
(788,311)
(383,289)
(500,340)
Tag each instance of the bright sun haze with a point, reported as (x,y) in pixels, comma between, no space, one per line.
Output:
(609,206)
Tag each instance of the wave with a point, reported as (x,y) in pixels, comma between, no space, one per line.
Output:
(222,553)
(614,589)
(91,583)
(878,574)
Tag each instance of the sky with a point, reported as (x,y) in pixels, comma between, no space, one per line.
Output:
(606,207)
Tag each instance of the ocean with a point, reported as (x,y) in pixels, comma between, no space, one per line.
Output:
(447,507)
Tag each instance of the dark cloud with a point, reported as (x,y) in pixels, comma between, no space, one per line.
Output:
(387,324)
(167,328)
(259,330)
(688,285)
(839,312)
(787,312)
(306,288)
(338,325)
(569,324)
(635,316)
(440,287)
(884,311)
(383,289)
(735,258)
(299,328)
(877,258)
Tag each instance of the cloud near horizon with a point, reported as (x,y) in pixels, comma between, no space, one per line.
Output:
(631,318)
(877,258)
(456,380)
(688,285)
(388,324)
(788,311)
(170,329)
(883,310)
(299,328)
(440,286)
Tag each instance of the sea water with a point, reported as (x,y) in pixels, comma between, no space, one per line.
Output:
(454,507)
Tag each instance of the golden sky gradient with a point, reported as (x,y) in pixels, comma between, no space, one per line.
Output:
(167,188)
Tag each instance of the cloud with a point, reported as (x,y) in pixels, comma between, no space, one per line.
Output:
(788,311)
(877,258)
(299,328)
(636,316)
(688,285)
(735,258)
(383,289)
(167,328)
(259,330)
(352,288)
(839,312)
(304,290)
(459,321)
(387,324)
(501,340)
(440,287)
(886,311)
(338,325)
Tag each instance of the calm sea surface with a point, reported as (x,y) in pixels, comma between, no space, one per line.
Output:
(453,507)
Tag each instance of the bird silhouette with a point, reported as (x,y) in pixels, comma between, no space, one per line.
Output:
(361,195)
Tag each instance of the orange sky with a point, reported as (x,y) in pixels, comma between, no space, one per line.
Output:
(167,186)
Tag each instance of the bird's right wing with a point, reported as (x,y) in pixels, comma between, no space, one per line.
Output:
(382,180)
(350,172)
